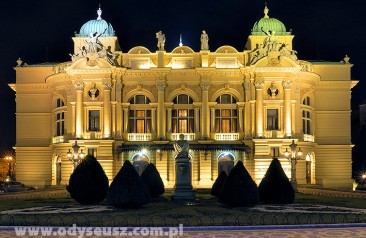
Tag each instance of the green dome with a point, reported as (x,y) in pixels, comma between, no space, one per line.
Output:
(98,26)
(267,24)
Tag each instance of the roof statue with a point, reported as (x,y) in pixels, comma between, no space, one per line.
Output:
(204,40)
(161,40)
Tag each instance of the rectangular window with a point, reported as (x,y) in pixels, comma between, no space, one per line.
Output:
(93,152)
(94,120)
(272,119)
(60,123)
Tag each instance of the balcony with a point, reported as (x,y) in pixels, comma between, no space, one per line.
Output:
(226,136)
(309,138)
(139,137)
(187,136)
(57,139)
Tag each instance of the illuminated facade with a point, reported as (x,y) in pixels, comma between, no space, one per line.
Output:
(231,105)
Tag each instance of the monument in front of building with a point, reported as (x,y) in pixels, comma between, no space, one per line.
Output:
(183,190)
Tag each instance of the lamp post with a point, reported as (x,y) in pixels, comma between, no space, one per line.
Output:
(293,156)
(9,159)
(75,157)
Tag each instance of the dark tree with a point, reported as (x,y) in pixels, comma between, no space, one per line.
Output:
(127,189)
(88,183)
(239,188)
(216,187)
(153,181)
(275,188)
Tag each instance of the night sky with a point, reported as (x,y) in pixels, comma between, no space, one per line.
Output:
(40,31)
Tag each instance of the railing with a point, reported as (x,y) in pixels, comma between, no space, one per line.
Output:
(139,136)
(187,136)
(227,136)
(273,134)
(57,139)
(93,135)
(309,138)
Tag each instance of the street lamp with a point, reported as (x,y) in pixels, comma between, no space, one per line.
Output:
(75,157)
(9,159)
(293,156)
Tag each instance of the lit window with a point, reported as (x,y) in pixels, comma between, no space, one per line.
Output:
(94,120)
(272,119)
(59,113)
(183,119)
(226,119)
(139,118)
(306,117)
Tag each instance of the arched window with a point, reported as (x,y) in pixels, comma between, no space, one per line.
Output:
(139,162)
(139,115)
(225,162)
(59,117)
(226,115)
(306,116)
(183,114)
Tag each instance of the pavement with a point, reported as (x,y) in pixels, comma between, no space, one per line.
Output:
(301,231)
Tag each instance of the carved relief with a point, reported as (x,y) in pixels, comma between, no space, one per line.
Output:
(205,86)
(161,86)
(107,85)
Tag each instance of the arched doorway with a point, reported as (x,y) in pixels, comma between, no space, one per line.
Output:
(139,162)
(310,178)
(225,162)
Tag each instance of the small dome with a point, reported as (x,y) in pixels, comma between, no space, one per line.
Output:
(269,24)
(98,26)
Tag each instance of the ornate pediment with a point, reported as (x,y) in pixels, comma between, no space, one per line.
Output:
(89,66)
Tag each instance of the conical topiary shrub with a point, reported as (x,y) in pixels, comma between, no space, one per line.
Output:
(239,188)
(216,187)
(127,189)
(275,188)
(153,181)
(88,183)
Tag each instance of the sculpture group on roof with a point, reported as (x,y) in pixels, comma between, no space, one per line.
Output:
(92,48)
(270,44)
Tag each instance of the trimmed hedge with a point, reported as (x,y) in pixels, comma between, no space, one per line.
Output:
(127,189)
(153,181)
(88,184)
(275,187)
(239,188)
(216,187)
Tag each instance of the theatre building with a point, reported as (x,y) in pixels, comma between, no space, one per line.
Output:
(230,105)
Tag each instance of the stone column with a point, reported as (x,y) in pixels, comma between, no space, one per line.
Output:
(107,109)
(240,118)
(169,120)
(252,118)
(287,107)
(212,109)
(79,86)
(153,118)
(119,112)
(205,111)
(161,110)
(114,119)
(196,120)
(259,107)
(125,119)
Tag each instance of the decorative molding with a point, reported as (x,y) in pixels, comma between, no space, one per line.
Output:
(259,84)
(79,86)
(107,85)
(205,86)
(161,86)
(287,84)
